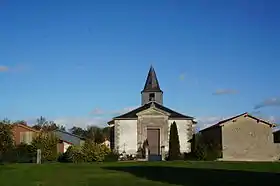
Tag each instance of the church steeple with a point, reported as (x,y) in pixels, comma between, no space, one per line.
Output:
(152,84)
(152,91)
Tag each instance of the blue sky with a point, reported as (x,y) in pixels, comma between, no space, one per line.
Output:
(82,63)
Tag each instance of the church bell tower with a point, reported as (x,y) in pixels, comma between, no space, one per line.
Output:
(152,91)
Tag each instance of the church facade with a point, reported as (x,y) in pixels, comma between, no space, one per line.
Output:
(151,121)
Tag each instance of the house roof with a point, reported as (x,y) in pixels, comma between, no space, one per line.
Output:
(220,123)
(70,134)
(132,114)
(26,127)
(152,84)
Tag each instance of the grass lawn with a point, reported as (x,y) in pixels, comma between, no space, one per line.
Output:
(145,173)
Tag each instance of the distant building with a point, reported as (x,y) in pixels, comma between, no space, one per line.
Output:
(67,139)
(107,143)
(243,138)
(151,121)
(23,133)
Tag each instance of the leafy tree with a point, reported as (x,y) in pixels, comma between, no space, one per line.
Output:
(78,131)
(6,121)
(47,142)
(45,125)
(174,145)
(22,122)
(6,137)
(92,133)
(106,132)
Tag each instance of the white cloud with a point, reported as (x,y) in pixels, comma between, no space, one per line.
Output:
(124,110)
(224,91)
(268,103)
(82,122)
(3,68)
(97,111)
(15,69)
(207,121)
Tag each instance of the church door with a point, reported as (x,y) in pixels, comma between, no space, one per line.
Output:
(154,141)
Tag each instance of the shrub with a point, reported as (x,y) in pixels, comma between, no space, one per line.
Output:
(22,153)
(25,153)
(94,151)
(74,154)
(174,146)
(89,152)
(111,157)
(6,138)
(47,142)
(205,150)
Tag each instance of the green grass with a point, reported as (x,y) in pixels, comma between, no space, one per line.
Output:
(144,173)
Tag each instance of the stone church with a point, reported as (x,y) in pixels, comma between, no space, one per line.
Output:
(151,121)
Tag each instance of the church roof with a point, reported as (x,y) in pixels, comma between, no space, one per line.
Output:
(173,114)
(152,84)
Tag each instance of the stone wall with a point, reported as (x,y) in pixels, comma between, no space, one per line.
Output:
(247,139)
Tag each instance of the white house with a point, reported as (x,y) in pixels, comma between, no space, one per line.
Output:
(151,121)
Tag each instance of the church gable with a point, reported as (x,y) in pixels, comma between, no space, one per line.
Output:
(153,111)
(160,108)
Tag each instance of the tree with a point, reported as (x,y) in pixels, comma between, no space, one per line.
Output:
(47,142)
(78,131)
(21,122)
(92,133)
(106,132)
(95,134)
(6,137)
(45,125)
(174,146)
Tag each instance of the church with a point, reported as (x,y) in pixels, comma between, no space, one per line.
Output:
(151,121)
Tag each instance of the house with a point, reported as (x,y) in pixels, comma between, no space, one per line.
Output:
(243,138)
(151,121)
(23,133)
(106,142)
(67,139)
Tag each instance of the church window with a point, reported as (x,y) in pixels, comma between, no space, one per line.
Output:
(151,96)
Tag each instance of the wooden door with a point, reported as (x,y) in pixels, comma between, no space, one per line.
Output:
(153,136)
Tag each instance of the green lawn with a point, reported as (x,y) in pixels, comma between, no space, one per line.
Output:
(132,174)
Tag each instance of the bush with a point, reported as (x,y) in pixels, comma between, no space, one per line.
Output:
(112,157)
(95,152)
(47,142)
(89,152)
(6,138)
(22,153)
(74,154)
(205,150)
(25,153)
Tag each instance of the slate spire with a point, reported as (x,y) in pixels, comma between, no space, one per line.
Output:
(152,84)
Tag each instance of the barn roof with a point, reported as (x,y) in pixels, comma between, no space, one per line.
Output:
(245,114)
